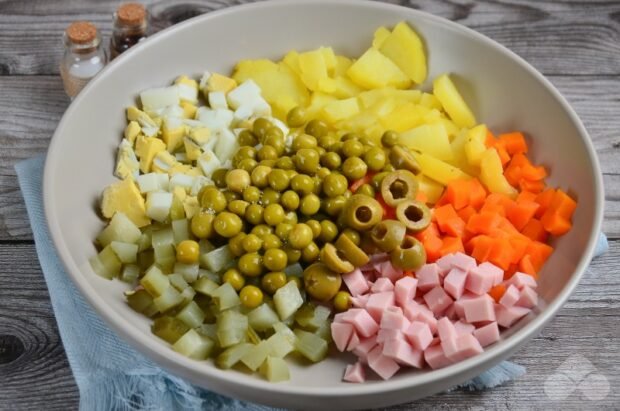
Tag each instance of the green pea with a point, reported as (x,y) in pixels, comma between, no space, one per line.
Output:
(274,214)
(267,153)
(252,243)
(260,176)
(247,138)
(212,199)
(334,185)
(261,230)
(238,207)
(278,179)
(302,184)
(285,163)
(367,190)
(275,139)
(270,196)
(252,194)
(389,138)
(219,177)
(329,231)
(354,168)
(331,160)
(310,253)
(267,163)
(375,158)
(315,226)
(327,141)
(296,117)
(238,180)
(290,200)
(323,172)
(290,218)
(283,229)
(300,236)
(333,206)
(351,136)
(275,259)
(247,164)
(306,160)
(273,281)
(271,241)
(260,127)
(227,224)
(352,148)
(317,128)
(234,277)
(377,179)
(292,255)
(251,264)
(231,196)
(310,204)
(235,244)
(303,141)
(254,214)
(243,153)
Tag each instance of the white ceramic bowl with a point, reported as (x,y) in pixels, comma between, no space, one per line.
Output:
(502,89)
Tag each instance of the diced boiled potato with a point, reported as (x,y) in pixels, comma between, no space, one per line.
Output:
(126,252)
(379,37)
(340,87)
(292,61)
(492,174)
(403,117)
(313,68)
(374,70)
(342,65)
(452,102)
(429,138)
(430,101)
(318,101)
(191,206)
(120,228)
(158,205)
(432,189)
(438,170)
(341,109)
(475,145)
(218,82)
(330,59)
(208,162)
(158,98)
(124,196)
(200,135)
(460,158)
(106,264)
(405,48)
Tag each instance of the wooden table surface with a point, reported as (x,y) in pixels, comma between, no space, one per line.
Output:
(576,44)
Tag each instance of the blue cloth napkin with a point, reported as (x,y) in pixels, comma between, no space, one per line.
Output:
(112,375)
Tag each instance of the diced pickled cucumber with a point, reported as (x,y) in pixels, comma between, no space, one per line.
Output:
(262,317)
(287,300)
(165,256)
(169,329)
(189,271)
(194,345)
(294,269)
(144,243)
(225,297)
(170,298)
(252,336)
(178,281)
(310,317)
(121,228)
(216,278)
(217,259)
(125,252)
(232,355)
(231,328)
(310,345)
(139,300)
(280,345)
(130,273)
(275,369)
(146,259)
(205,286)
(161,237)
(191,315)
(155,282)
(325,331)
(255,357)
(106,264)
(283,329)
(180,230)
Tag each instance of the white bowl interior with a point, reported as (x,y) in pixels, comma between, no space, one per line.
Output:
(504,93)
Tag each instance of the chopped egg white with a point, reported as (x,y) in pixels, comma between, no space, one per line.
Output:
(126,161)
(157,98)
(158,205)
(217,99)
(208,162)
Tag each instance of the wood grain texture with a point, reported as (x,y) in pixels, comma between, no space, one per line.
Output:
(587,325)
(576,43)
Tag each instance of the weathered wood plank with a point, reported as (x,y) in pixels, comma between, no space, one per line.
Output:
(33,105)
(587,325)
(556,37)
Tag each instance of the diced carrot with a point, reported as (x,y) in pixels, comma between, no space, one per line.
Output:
(482,247)
(526,196)
(477,193)
(513,174)
(466,213)
(532,186)
(534,230)
(408,274)
(501,253)
(493,209)
(522,212)
(539,253)
(456,193)
(452,245)
(501,199)
(555,224)
(432,246)
(520,160)
(514,142)
(519,244)
(506,226)
(421,197)
(389,213)
(448,220)
(483,223)
(563,204)
(544,199)
(503,155)
(497,292)
(490,139)
(512,269)
(526,266)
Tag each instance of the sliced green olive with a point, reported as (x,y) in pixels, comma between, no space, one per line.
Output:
(388,234)
(334,260)
(321,282)
(402,159)
(397,186)
(415,215)
(409,255)
(361,212)
(351,252)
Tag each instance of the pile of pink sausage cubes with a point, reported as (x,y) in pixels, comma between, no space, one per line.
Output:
(441,316)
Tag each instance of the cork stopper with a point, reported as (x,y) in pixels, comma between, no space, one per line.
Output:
(81,32)
(131,14)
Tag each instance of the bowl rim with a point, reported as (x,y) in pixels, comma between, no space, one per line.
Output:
(195,370)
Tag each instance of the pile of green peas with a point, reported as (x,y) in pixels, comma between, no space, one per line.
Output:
(285,203)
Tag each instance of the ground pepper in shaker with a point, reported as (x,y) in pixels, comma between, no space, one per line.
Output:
(130,26)
(83,58)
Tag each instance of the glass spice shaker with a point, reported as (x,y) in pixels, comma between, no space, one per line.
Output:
(130,27)
(84,56)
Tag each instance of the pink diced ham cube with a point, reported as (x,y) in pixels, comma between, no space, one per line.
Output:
(479,309)
(521,280)
(510,297)
(506,316)
(341,334)
(387,270)
(445,264)
(364,324)
(426,316)
(435,357)
(365,346)
(528,298)
(411,310)
(384,366)
(393,319)
(481,278)
(462,327)
(403,353)
(428,277)
(355,373)
(463,261)
(463,347)
(355,282)
(451,312)
(497,272)
(360,301)
(386,334)
(404,290)
(354,342)
(381,285)
(458,304)
(437,300)
(454,282)
(446,329)
(347,315)
(378,303)
(419,335)
(488,334)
